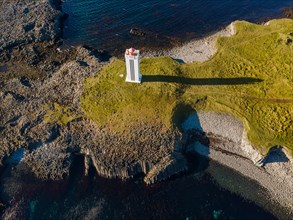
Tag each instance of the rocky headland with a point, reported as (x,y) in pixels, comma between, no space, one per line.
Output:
(36,72)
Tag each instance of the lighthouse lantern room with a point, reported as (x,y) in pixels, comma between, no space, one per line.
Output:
(132,65)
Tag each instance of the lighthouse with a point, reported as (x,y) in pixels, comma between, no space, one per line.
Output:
(132,66)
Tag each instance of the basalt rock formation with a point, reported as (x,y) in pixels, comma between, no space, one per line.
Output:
(23,22)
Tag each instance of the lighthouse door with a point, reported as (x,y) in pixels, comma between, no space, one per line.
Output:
(132,70)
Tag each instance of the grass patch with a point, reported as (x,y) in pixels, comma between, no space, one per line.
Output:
(108,100)
(61,115)
(251,77)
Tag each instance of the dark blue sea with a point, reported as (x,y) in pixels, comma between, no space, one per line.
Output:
(105,24)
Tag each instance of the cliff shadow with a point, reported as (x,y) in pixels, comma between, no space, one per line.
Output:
(200,81)
(195,141)
(275,155)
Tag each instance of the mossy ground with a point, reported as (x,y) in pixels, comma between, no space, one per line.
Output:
(251,77)
(61,115)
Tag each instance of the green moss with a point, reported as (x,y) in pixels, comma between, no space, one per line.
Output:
(109,100)
(61,115)
(251,77)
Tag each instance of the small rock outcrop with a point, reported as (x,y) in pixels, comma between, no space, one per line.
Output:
(137,32)
(288,12)
(49,162)
(167,167)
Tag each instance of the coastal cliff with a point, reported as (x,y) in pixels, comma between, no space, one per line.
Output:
(57,103)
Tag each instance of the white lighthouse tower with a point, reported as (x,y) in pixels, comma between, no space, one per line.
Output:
(132,66)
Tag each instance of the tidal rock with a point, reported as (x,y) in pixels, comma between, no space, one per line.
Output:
(288,12)
(167,167)
(50,161)
(137,32)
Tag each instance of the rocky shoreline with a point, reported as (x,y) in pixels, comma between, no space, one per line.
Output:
(194,51)
(36,73)
(229,146)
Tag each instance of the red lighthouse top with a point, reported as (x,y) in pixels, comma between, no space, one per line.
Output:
(131,52)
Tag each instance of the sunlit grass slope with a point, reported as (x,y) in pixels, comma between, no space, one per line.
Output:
(251,77)
(110,101)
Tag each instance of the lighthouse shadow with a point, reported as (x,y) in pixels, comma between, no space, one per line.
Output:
(201,81)
(195,141)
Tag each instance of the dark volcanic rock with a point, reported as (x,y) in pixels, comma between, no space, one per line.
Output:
(50,161)
(125,155)
(288,12)
(22,111)
(23,22)
(170,165)
(137,32)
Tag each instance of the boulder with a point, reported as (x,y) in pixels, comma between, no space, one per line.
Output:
(137,32)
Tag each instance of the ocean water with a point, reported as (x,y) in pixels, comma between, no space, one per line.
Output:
(105,24)
(194,195)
